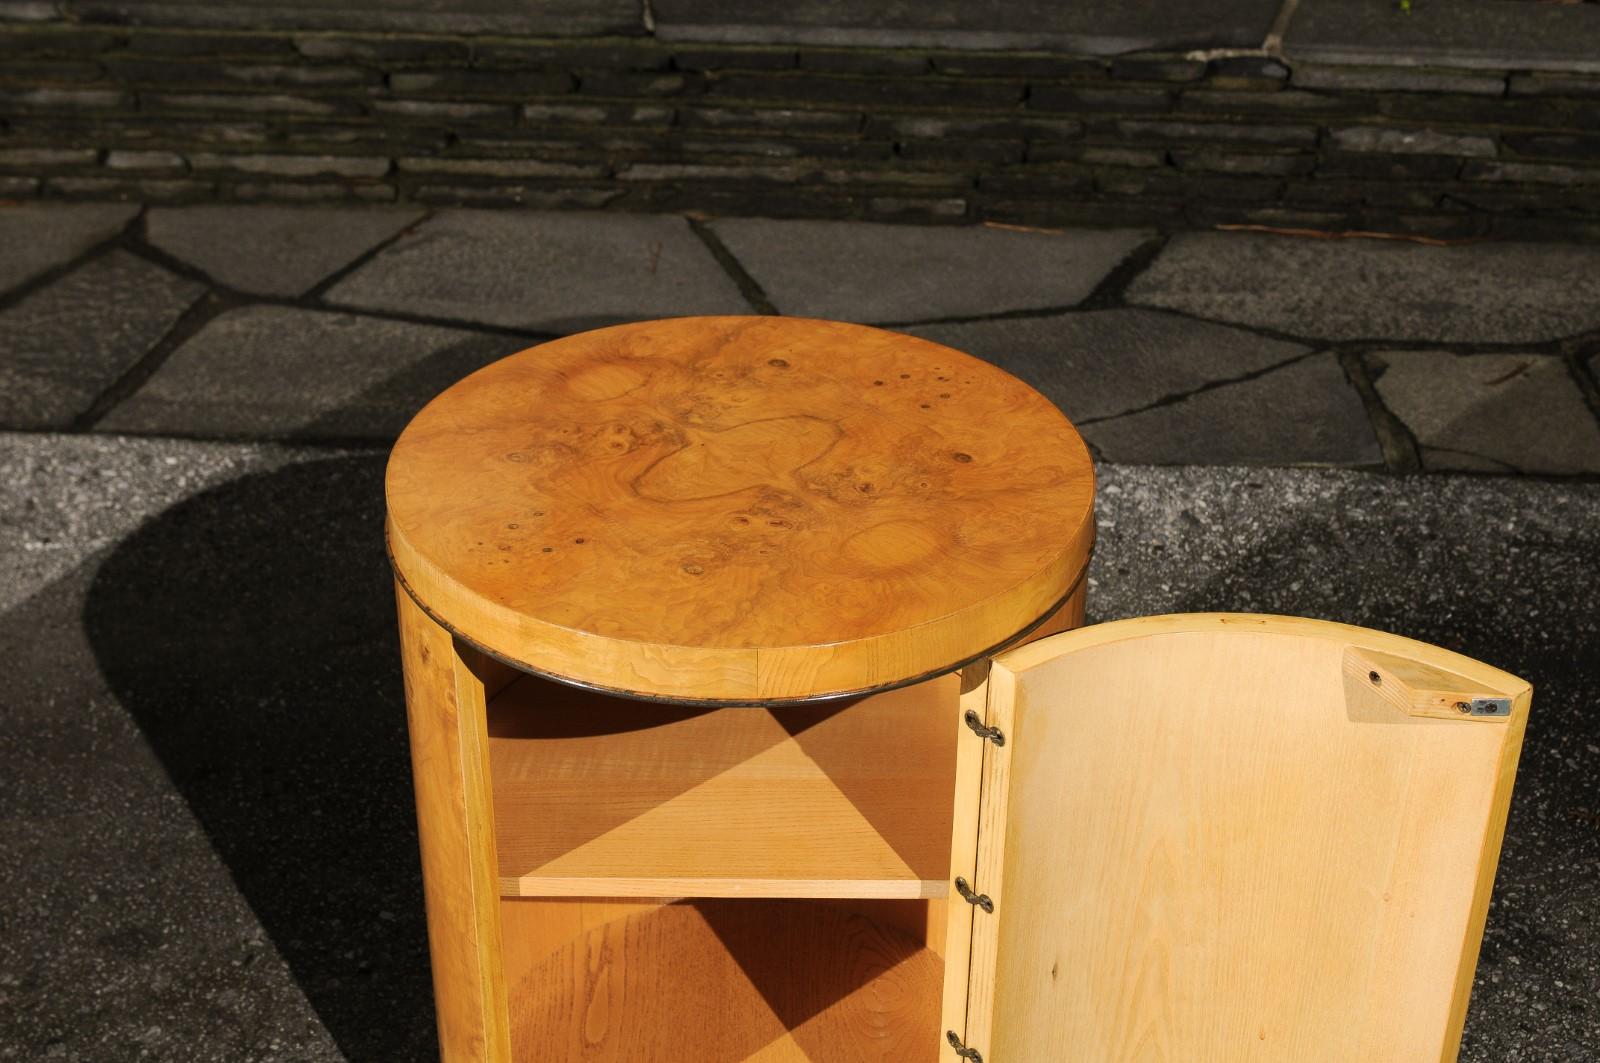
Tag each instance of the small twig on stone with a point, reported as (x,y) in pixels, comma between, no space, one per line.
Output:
(1006,226)
(1351,234)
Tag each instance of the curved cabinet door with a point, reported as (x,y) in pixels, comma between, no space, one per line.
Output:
(1229,837)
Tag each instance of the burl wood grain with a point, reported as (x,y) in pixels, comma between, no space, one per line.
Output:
(739,508)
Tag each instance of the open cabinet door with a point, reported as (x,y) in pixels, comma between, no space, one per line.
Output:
(1227,837)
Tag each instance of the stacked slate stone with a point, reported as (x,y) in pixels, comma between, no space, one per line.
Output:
(634,122)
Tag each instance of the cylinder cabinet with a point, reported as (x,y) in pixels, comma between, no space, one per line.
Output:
(752,718)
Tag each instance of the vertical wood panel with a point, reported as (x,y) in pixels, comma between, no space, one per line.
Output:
(969,956)
(1208,838)
(990,860)
(455,828)
(963,851)
(1494,833)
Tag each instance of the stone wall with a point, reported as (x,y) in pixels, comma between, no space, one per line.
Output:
(94,111)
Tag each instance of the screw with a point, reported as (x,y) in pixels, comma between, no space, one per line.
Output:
(1462,706)
(1375,677)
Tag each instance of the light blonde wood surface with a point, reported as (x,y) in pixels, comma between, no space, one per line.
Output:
(739,509)
(599,796)
(963,848)
(720,981)
(989,862)
(977,760)
(1209,838)
(455,827)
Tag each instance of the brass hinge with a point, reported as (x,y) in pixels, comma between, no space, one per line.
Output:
(977,900)
(962,1050)
(993,734)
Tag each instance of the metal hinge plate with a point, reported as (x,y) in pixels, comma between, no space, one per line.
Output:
(993,734)
(962,1051)
(973,897)
(1491,706)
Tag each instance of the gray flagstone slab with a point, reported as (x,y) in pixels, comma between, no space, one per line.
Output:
(878,273)
(272,372)
(1378,289)
(1104,363)
(64,344)
(1491,412)
(268,250)
(549,272)
(40,237)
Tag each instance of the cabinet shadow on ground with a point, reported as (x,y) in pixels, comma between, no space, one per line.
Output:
(250,632)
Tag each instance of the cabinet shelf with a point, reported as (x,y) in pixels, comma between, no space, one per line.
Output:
(602,797)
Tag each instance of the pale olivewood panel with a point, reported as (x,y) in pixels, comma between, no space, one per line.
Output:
(733,508)
(963,846)
(719,982)
(596,796)
(1210,837)
(989,861)
(970,766)
(455,827)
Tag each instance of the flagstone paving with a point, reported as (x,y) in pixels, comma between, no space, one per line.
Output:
(241,883)
(875,273)
(271,250)
(1143,385)
(1102,364)
(544,272)
(1364,289)
(1303,413)
(279,372)
(1491,412)
(37,238)
(63,345)
(1218,347)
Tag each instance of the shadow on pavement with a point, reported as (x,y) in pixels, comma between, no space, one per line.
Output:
(249,631)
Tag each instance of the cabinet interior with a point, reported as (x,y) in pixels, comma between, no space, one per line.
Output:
(598,796)
(723,884)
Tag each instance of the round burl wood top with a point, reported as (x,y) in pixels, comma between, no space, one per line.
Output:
(739,509)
